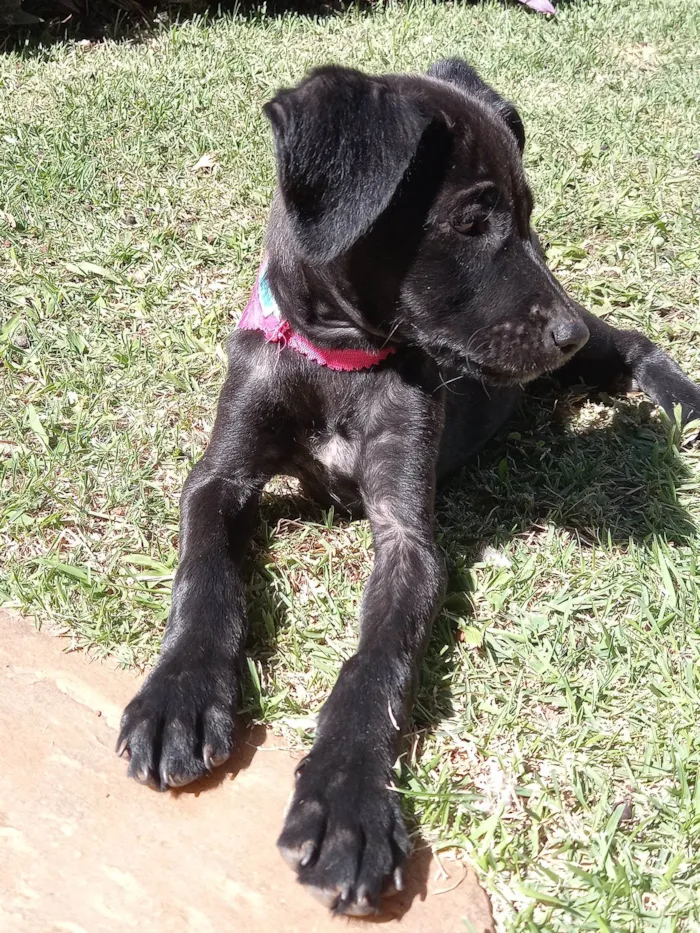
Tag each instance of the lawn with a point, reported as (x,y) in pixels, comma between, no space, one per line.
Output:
(556,742)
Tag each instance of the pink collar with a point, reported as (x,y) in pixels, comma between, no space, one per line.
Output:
(262,313)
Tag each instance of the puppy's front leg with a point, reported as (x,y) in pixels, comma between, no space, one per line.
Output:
(344,833)
(180,724)
(612,354)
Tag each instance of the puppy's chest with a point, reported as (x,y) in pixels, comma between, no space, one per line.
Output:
(327,463)
(335,451)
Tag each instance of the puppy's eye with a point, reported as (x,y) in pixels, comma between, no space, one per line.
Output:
(469,227)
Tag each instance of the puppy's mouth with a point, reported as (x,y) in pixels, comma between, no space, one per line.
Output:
(497,378)
(503,377)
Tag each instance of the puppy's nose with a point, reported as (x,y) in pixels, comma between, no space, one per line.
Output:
(569,334)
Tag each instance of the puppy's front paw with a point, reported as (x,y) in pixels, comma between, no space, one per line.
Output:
(180,724)
(344,835)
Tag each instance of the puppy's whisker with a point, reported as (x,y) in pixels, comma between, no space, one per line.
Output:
(391,334)
(445,384)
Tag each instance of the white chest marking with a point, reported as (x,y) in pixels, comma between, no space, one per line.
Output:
(337,455)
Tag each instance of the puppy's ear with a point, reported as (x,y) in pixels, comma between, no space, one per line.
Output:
(458,72)
(343,142)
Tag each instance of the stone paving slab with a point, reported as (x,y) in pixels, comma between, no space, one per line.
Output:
(84,850)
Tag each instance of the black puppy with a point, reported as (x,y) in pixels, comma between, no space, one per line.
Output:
(404,303)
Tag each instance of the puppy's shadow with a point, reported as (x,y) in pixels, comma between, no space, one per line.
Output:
(606,483)
(611,481)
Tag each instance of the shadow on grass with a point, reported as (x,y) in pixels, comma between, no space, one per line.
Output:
(136,20)
(44,22)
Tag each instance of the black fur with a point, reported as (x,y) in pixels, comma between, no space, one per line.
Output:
(402,218)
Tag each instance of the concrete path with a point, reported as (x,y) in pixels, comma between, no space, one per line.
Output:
(84,850)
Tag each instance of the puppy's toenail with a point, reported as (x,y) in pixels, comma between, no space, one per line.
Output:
(123,749)
(175,780)
(212,760)
(300,767)
(142,774)
(307,852)
(360,907)
(398,879)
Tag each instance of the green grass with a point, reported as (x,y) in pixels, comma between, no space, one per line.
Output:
(561,690)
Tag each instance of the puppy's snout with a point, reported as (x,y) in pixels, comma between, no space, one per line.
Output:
(568,334)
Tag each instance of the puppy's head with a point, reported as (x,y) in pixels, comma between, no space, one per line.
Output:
(404,208)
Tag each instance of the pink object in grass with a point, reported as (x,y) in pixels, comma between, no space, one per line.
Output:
(541,6)
(262,314)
